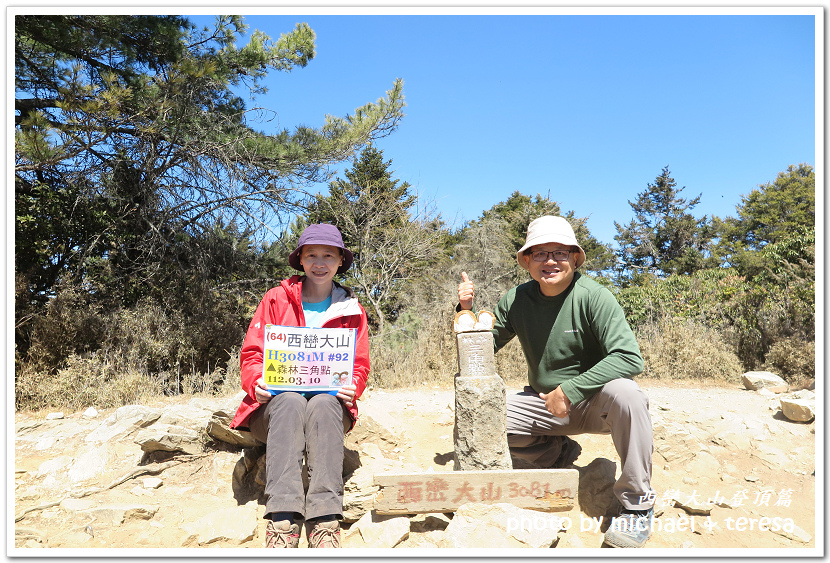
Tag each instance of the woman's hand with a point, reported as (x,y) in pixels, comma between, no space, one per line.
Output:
(261,392)
(346,394)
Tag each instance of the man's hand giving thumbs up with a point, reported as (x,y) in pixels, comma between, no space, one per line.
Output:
(466,292)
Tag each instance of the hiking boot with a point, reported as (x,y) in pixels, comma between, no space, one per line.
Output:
(282,534)
(325,534)
(570,451)
(631,528)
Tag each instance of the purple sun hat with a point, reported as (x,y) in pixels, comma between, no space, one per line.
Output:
(321,233)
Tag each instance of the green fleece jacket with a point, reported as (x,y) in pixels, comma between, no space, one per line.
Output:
(578,339)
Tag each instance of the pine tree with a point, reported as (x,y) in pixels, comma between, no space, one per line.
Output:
(391,233)
(131,137)
(664,237)
(141,173)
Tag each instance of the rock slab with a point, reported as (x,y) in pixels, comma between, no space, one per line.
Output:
(501,525)
(373,530)
(799,406)
(755,380)
(480,433)
(237,525)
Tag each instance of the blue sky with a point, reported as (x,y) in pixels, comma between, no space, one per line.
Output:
(587,109)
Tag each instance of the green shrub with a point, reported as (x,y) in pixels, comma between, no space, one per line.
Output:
(70,324)
(793,359)
(749,315)
(676,348)
(82,356)
(231,374)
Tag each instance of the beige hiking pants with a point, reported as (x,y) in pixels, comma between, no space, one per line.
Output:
(620,409)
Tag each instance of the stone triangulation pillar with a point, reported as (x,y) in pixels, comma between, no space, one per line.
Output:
(480,433)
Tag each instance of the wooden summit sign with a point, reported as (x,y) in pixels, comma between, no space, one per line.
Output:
(547,490)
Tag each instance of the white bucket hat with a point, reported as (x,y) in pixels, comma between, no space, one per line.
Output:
(550,229)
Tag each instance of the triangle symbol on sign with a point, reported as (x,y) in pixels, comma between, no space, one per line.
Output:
(271,368)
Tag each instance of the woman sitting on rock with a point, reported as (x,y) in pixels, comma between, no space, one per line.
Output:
(294,424)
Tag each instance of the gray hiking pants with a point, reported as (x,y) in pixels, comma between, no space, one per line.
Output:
(620,409)
(292,426)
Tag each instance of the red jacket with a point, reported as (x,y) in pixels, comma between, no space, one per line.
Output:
(283,305)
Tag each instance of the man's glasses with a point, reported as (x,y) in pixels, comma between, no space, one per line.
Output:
(542,255)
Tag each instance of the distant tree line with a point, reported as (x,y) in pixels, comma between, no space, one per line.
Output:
(151,214)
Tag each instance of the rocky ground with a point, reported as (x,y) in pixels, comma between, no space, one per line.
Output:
(726,463)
